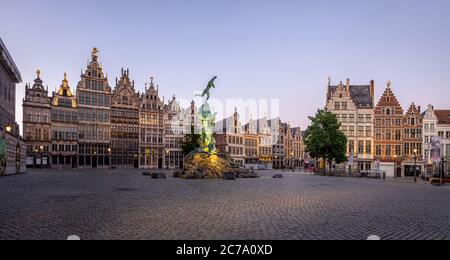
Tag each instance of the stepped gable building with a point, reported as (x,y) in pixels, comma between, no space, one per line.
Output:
(151,128)
(412,141)
(125,103)
(353,106)
(94,97)
(37,124)
(388,133)
(64,127)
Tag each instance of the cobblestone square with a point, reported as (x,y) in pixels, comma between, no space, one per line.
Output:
(123,204)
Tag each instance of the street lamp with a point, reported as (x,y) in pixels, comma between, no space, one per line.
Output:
(8,129)
(395,166)
(167,159)
(415,165)
(109,154)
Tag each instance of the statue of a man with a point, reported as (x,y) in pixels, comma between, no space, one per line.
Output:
(208,88)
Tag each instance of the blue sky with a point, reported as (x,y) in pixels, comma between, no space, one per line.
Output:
(259,49)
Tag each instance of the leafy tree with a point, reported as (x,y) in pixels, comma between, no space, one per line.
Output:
(191,142)
(324,139)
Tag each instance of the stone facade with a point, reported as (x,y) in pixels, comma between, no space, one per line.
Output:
(353,106)
(12,146)
(37,124)
(94,98)
(125,103)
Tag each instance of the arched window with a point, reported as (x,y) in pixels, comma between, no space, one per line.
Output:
(388,111)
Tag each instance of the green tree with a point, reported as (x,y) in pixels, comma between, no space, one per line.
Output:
(191,142)
(324,139)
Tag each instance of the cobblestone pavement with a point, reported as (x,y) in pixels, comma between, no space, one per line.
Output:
(123,204)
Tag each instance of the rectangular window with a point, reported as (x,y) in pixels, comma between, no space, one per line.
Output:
(378,122)
(360,147)
(337,106)
(398,150)
(378,135)
(368,131)
(368,147)
(352,118)
(378,150)
(360,118)
(388,151)
(360,131)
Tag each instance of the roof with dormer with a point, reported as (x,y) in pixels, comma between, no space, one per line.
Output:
(360,94)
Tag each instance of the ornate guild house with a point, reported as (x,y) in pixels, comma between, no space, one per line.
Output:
(64,127)
(388,133)
(37,124)
(125,104)
(94,98)
(151,132)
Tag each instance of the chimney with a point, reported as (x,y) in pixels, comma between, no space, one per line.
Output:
(372,89)
(419,108)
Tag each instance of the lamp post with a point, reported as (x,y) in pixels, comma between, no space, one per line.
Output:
(395,166)
(415,165)
(167,159)
(109,154)
(276,162)
(441,175)
(41,148)
(292,160)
